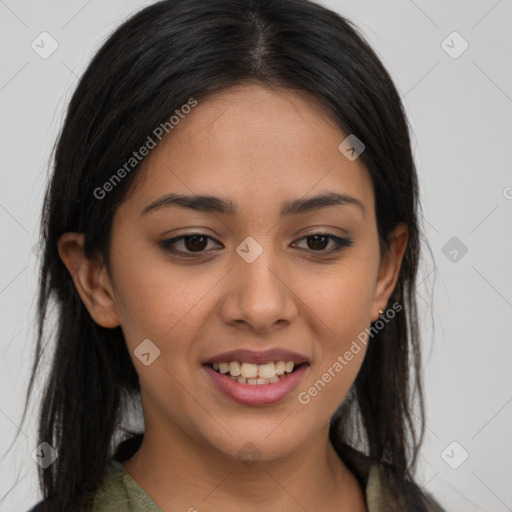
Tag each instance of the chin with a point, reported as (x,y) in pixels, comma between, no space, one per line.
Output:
(252,445)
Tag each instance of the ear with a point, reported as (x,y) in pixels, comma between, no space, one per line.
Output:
(91,280)
(389,269)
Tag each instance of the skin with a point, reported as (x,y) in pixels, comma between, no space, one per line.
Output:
(259,148)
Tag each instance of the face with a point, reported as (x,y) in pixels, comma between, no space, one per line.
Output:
(273,277)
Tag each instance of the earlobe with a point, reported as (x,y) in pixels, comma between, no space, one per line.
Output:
(90,279)
(389,269)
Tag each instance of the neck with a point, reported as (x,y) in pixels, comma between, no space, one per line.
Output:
(179,473)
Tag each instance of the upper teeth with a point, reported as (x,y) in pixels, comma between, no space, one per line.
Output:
(253,371)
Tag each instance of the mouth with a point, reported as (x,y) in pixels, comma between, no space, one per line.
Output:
(256,374)
(256,378)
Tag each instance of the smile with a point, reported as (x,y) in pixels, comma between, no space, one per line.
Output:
(255,374)
(256,378)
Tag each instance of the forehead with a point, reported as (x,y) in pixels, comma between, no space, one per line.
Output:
(256,143)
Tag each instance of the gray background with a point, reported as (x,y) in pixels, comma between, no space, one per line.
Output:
(460,111)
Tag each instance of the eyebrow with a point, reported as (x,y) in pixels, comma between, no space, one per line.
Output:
(208,203)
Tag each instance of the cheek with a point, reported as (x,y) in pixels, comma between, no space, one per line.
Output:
(329,383)
(333,375)
(157,299)
(341,300)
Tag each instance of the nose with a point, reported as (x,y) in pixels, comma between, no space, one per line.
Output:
(259,295)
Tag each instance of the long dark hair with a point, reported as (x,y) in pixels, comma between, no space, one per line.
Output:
(151,65)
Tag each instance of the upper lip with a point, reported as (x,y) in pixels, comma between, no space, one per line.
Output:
(258,357)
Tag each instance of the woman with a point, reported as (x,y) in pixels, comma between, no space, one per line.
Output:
(231,237)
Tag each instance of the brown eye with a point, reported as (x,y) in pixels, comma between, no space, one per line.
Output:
(187,244)
(195,243)
(318,242)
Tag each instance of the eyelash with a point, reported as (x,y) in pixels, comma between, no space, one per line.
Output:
(169,244)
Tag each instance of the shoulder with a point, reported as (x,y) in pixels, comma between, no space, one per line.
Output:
(114,495)
(384,493)
(382,490)
(119,492)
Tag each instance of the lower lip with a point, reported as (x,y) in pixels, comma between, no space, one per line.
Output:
(257,394)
